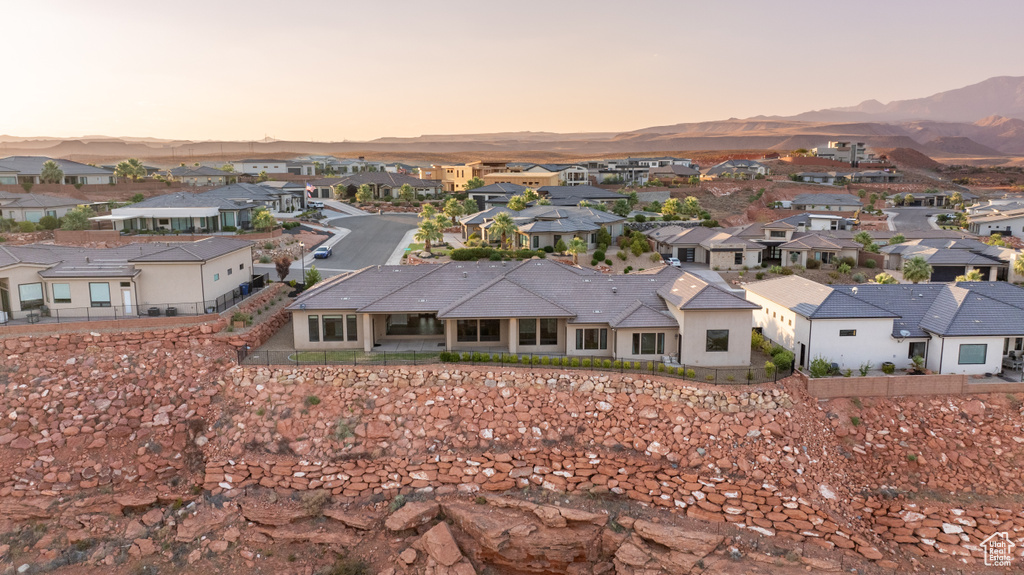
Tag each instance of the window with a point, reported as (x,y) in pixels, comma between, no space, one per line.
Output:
(549,331)
(99,294)
(737,258)
(241,267)
(824,257)
(528,332)
(536,242)
(593,338)
(351,330)
(490,330)
(229,271)
(334,326)
(216,277)
(314,328)
(847,333)
(465,330)
(917,349)
(973,353)
(31,295)
(61,293)
(648,343)
(774,234)
(718,340)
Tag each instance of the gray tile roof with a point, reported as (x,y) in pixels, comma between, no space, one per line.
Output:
(379,179)
(196,171)
(642,315)
(689,292)
(190,200)
(502,188)
(38,201)
(827,200)
(33,166)
(791,291)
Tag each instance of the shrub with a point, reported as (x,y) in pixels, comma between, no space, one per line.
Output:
(870,264)
(599,255)
(549,249)
(783,359)
(848,261)
(26,227)
(312,400)
(576,362)
(855,420)
(607,364)
(48,223)
(585,363)
(859,278)
(593,263)
(621,255)
(864,368)
(655,257)
(229,229)
(691,374)
(759,275)
(617,364)
(268,245)
(661,367)
(820,367)
(476,357)
(565,362)
(640,218)
(813,264)
(888,368)
(843,269)
(769,369)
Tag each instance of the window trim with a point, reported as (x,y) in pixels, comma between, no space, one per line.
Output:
(93,302)
(658,347)
(313,328)
(960,353)
(53,290)
(32,302)
(337,334)
(601,337)
(709,344)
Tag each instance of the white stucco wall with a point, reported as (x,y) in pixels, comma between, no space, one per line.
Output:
(950,350)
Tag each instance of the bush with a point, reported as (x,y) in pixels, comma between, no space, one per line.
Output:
(859,278)
(586,362)
(593,263)
(48,223)
(607,262)
(565,362)
(848,261)
(268,245)
(549,249)
(820,367)
(759,275)
(870,264)
(769,369)
(229,229)
(576,362)
(26,227)
(470,254)
(545,360)
(617,364)
(843,269)
(783,360)
(598,255)
(621,255)
(265,259)
(888,368)
(655,257)
(640,218)
(813,264)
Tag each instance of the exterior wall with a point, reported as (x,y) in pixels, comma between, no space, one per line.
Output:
(624,344)
(300,331)
(82,299)
(801,258)
(950,350)
(274,167)
(21,274)
(451,327)
(873,343)
(1016,225)
(240,264)
(694,337)
(205,180)
(776,322)
(570,340)
(169,283)
(559,348)
(530,179)
(886,386)
(22,214)
(826,208)
(727,260)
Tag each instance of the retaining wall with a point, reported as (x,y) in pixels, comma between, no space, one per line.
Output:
(900,385)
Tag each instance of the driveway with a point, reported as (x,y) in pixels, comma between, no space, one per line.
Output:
(914,219)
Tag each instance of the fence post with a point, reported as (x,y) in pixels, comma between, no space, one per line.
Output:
(325,357)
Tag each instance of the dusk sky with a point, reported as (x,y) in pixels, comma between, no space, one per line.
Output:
(335,70)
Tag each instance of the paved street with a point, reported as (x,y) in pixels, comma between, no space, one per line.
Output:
(914,219)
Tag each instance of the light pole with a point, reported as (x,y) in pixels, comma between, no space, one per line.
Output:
(302,258)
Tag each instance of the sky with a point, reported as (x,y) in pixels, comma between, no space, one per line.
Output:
(334,70)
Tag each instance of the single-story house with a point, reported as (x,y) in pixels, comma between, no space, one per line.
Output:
(533,306)
(274,198)
(81,282)
(742,169)
(29,169)
(183,212)
(808,246)
(1003,222)
(952,258)
(200,176)
(541,226)
(966,327)
(672,172)
(32,207)
(253,167)
(827,202)
(565,196)
(712,246)
(484,194)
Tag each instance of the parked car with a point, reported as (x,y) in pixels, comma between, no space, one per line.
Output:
(322,252)
(674,262)
(314,204)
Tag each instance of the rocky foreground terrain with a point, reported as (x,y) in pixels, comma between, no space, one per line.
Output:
(144,454)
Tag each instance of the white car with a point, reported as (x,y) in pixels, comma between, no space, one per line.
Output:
(674,262)
(312,204)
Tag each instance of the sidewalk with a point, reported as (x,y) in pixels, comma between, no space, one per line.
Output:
(344,208)
(453,239)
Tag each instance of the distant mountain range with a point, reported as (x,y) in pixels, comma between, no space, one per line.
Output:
(982,120)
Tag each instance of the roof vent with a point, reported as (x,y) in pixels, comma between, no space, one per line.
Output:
(465,275)
(854,290)
(615,289)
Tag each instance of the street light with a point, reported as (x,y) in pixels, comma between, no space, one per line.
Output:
(302,258)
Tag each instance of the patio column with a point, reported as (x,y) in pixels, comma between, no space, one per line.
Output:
(449,334)
(513,335)
(367,333)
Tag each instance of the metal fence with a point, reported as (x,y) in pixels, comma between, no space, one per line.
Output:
(54,315)
(718,376)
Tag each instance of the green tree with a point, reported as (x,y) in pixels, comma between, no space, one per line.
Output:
(429,232)
(654,206)
(576,247)
(560,247)
(672,207)
(971,276)
(48,223)
(131,168)
(908,199)
(862,193)
(604,237)
(956,198)
(897,239)
(517,203)
(227,168)
(51,173)
(312,277)
(364,194)
(428,212)
(693,180)
(530,195)
(503,227)
(470,206)
(917,270)
(406,193)
(884,278)
(691,206)
(263,177)
(863,238)
(639,244)
(474,183)
(263,220)
(997,240)
(621,207)
(633,199)
(77,219)
(453,209)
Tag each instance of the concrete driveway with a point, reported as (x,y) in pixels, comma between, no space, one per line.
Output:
(914,219)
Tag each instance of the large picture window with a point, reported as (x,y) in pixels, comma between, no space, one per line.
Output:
(465,330)
(490,330)
(334,326)
(592,338)
(528,331)
(973,353)
(314,328)
(31,295)
(548,331)
(648,343)
(718,340)
(61,293)
(99,294)
(351,330)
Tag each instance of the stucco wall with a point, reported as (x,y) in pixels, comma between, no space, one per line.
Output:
(695,325)
(950,350)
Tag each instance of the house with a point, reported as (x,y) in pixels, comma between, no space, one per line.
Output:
(997,221)
(941,198)
(296,190)
(993,206)
(533,306)
(253,167)
(385,185)
(200,176)
(672,173)
(8,176)
(737,169)
(813,246)
(632,170)
(455,177)
(950,258)
(274,198)
(183,212)
(541,226)
(76,282)
(32,207)
(529,179)
(568,174)
(849,152)
(965,328)
(29,169)
(828,202)
(484,194)
(712,246)
(331,166)
(564,196)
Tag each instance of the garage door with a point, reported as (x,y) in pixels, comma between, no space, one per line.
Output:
(946,273)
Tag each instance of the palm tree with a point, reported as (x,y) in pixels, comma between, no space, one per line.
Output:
(896,239)
(131,169)
(529,195)
(470,206)
(453,209)
(364,194)
(917,270)
(691,206)
(971,276)
(884,278)
(429,231)
(1018,264)
(502,226)
(428,211)
(51,173)
(406,193)
(576,247)
(517,203)
(863,238)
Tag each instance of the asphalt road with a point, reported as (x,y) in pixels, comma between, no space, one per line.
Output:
(370,243)
(914,219)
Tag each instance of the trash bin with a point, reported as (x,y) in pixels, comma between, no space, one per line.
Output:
(245,288)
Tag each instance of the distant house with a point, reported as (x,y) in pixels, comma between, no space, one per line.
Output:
(534,306)
(849,152)
(543,226)
(385,185)
(32,207)
(484,194)
(632,170)
(950,258)
(274,198)
(568,174)
(183,212)
(29,169)
(8,176)
(1003,222)
(200,176)
(76,282)
(253,167)
(672,173)
(738,169)
(827,202)
(940,198)
(528,179)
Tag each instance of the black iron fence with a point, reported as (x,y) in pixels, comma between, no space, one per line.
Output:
(713,375)
(57,315)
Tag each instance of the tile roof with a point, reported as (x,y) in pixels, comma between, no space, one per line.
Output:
(827,199)
(33,166)
(378,179)
(37,201)
(690,292)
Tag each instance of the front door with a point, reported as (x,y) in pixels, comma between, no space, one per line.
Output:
(126,299)
(803,351)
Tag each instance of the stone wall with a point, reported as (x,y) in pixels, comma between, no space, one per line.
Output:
(899,385)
